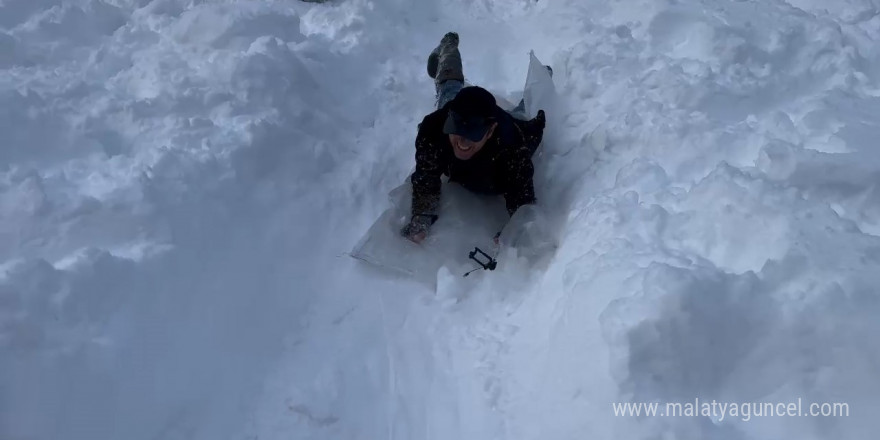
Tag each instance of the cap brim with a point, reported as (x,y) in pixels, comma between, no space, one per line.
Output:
(471,131)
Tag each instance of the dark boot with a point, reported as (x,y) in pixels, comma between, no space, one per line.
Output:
(444,62)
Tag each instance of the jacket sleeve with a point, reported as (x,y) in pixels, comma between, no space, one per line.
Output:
(426,178)
(519,188)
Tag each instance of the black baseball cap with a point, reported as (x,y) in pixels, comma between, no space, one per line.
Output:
(471,113)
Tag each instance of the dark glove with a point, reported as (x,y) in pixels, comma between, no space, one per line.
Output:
(541,119)
(419,224)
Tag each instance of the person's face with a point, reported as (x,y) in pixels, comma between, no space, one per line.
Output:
(465,148)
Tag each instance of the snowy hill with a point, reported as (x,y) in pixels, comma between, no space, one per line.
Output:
(180,181)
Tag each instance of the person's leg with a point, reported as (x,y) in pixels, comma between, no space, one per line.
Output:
(444,65)
(446,91)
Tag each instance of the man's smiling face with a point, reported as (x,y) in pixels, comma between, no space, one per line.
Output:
(464,148)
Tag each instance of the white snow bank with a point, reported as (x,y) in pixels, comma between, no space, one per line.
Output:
(157,190)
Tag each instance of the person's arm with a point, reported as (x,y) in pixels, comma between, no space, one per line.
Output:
(519,174)
(426,186)
(519,183)
(520,188)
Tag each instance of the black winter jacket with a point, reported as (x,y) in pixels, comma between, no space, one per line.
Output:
(503,166)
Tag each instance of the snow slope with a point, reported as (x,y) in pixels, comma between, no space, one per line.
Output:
(180,180)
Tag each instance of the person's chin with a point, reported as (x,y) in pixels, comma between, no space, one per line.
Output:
(463,155)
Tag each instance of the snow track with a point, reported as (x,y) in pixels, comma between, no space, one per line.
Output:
(179,181)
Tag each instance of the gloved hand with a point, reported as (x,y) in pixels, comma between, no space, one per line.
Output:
(541,119)
(417,228)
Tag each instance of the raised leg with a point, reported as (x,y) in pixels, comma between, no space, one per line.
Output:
(444,65)
(446,91)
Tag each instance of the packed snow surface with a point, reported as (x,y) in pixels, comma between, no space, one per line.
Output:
(180,182)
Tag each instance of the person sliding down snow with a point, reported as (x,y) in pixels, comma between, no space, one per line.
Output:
(470,139)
